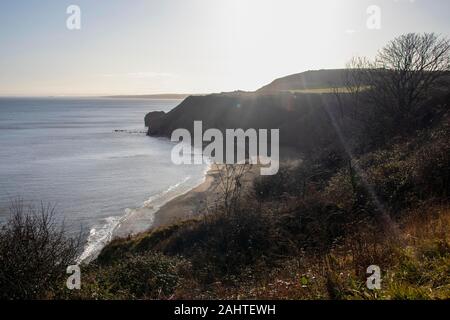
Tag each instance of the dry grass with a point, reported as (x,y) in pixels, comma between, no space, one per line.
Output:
(415,264)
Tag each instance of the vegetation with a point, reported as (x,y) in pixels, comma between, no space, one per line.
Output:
(403,79)
(34,253)
(372,189)
(314,239)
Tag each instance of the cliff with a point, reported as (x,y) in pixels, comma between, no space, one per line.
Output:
(303,118)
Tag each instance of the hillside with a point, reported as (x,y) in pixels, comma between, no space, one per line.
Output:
(170,96)
(301,117)
(302,106)
(367,192)
(309,232)
(309,80)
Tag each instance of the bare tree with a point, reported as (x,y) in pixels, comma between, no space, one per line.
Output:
(398,82)
(356,81)
(407,68)
(230,183)
(34,253)
(404,71)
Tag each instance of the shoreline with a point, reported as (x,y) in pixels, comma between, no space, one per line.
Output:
(154,215)
(189,204)
(196,201)
(141,219)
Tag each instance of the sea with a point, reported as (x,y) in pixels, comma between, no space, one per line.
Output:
(91,160)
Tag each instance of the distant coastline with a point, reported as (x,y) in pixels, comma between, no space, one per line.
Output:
(168,96)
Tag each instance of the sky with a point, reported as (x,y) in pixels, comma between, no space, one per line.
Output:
(193,46)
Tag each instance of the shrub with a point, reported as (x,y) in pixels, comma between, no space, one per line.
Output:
(432,170)
(314,225)
(152,275)
(273,187)
(224,244)
(390,174)
(34,254)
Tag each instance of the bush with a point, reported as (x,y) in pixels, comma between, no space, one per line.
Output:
(297,180)
(34,254)
(432,169)
(136,275)
(152,275)
(390,174)
(314,225)
(224,244)
(397,177)
(274,187)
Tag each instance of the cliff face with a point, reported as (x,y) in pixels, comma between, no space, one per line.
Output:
(152,118)
(303,119)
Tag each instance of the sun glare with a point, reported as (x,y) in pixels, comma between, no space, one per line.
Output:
(258,31)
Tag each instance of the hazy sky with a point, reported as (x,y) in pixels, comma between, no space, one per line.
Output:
(191,46)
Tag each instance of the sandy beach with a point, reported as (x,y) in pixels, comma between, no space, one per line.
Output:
(179,207)
(197,200)
(182,207)
(192,203)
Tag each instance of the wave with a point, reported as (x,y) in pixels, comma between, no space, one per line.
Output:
(98,238)
(150,202)
(134,220)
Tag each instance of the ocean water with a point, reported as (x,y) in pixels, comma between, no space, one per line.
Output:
(92,160)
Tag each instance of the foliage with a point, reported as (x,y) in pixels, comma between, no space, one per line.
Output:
(34,253)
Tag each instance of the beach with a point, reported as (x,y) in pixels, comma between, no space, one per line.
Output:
(192,203)
(197,201)
(201,199)
(174,205)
